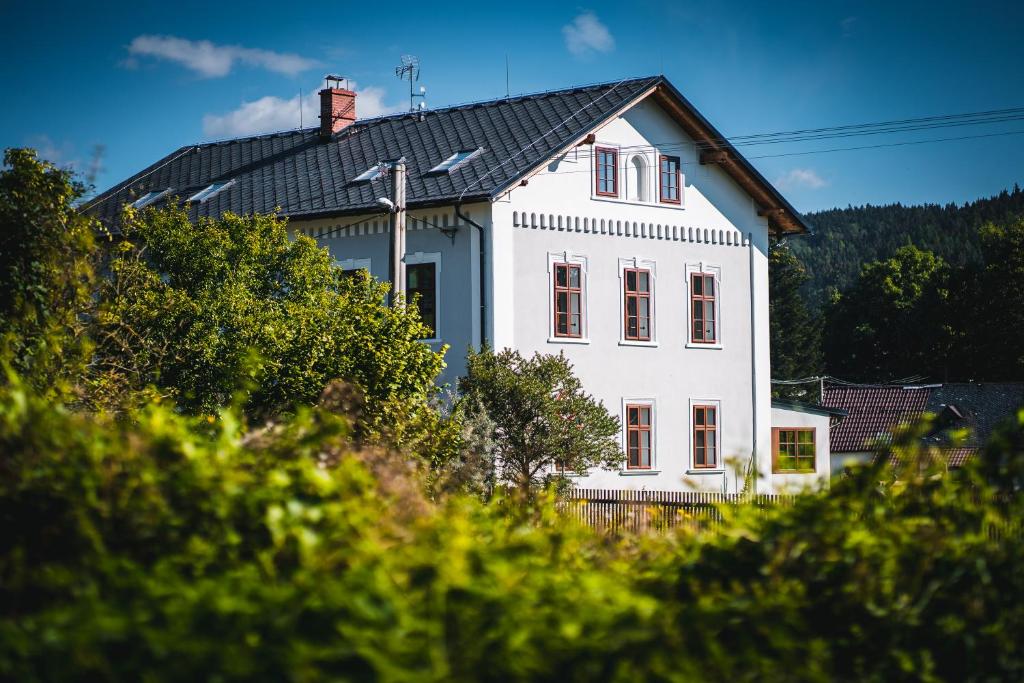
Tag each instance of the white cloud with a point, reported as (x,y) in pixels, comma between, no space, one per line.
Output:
(270,113)
(586,34)
(210,60)
(801,177)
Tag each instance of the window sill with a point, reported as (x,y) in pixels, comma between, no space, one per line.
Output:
(697,345)
(633,202)
(630,342)
(708,470)
(638,473)
(568,340)
(795,472)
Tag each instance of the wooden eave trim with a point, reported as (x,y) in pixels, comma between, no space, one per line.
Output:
(781,220)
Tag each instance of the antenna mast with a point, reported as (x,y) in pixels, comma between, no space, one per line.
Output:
(410,69)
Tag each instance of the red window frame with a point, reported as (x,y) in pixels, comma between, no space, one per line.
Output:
(699,300)
(671,176)
(788,439)
(635,453)
(426,287)
(613,164)
(568,290)
(636,295)
(702,426)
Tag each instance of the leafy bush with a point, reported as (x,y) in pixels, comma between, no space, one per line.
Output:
(173,548)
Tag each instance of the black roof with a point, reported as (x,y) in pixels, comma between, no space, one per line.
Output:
(979,407)
(304,176)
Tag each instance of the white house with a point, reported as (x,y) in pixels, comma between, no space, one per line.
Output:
(611,222)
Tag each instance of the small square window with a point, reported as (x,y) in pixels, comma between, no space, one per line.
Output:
(793,450)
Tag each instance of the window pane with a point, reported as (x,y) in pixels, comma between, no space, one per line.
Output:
(574,326)
(698,330)
(574,304)
(787,462)
(633,416)
(711,415)
(560,276)
(698,416)
(709,310)
(645,281)
(698,311)
(645,416)
(712,442)
(807,450)
(634,439)
(644,328)
(632,328)
(698,286)
(709,285)
(562,302)
(698,438)
(631,306)
(806,437)
(574,276)
(631,280)
(698,457)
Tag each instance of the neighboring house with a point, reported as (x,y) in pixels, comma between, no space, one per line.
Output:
(873,412)
(612,223)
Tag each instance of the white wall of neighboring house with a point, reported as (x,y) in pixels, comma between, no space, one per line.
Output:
(803,418)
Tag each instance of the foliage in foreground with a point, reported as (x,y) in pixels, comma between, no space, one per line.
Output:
(169,548)
(47,254)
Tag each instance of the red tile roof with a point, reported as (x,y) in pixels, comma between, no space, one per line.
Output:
(872,413)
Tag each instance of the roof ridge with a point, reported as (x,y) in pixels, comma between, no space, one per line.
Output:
(449,107)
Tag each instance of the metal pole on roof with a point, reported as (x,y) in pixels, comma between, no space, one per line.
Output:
(396,239)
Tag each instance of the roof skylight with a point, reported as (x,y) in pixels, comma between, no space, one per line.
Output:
(148,198)
(369,174)
(209,192)
(456,160)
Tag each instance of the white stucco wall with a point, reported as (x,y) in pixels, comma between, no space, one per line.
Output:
(715,229)
(785,418)
(457,257)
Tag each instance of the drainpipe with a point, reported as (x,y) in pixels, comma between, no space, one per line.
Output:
(753,358)
(482,265)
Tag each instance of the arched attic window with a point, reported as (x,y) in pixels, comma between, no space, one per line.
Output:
(637,183)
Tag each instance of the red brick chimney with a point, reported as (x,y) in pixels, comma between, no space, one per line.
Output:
(337,108)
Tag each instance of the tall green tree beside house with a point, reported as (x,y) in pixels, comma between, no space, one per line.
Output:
(543,419)
(795,332)
(47,271)
(893,322)
(232,310)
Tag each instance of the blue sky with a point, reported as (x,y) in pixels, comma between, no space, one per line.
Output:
(143,78)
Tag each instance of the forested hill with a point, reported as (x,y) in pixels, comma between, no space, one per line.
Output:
(845,239)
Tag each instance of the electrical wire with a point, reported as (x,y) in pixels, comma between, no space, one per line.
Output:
(322,235)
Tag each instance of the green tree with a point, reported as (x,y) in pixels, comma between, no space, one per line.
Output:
(47,261)
(795,333)
(203,310)
(991,307)
(542,417)
(893,322)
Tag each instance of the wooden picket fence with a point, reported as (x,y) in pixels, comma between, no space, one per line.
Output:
(642,511)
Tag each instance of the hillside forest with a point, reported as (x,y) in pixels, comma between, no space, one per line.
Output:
(883,293)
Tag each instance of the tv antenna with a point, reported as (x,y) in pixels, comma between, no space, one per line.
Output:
(410,69)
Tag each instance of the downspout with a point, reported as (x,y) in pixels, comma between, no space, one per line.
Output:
(753,358)
(481,266)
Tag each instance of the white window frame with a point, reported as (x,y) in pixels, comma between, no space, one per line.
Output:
(691,468)
(450,165)
(369,174)
(150,197)
(583,262)
(627,173)
(435,258)
(707,269)
(648,264)
(354,264)
(624,471)
(209,192)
